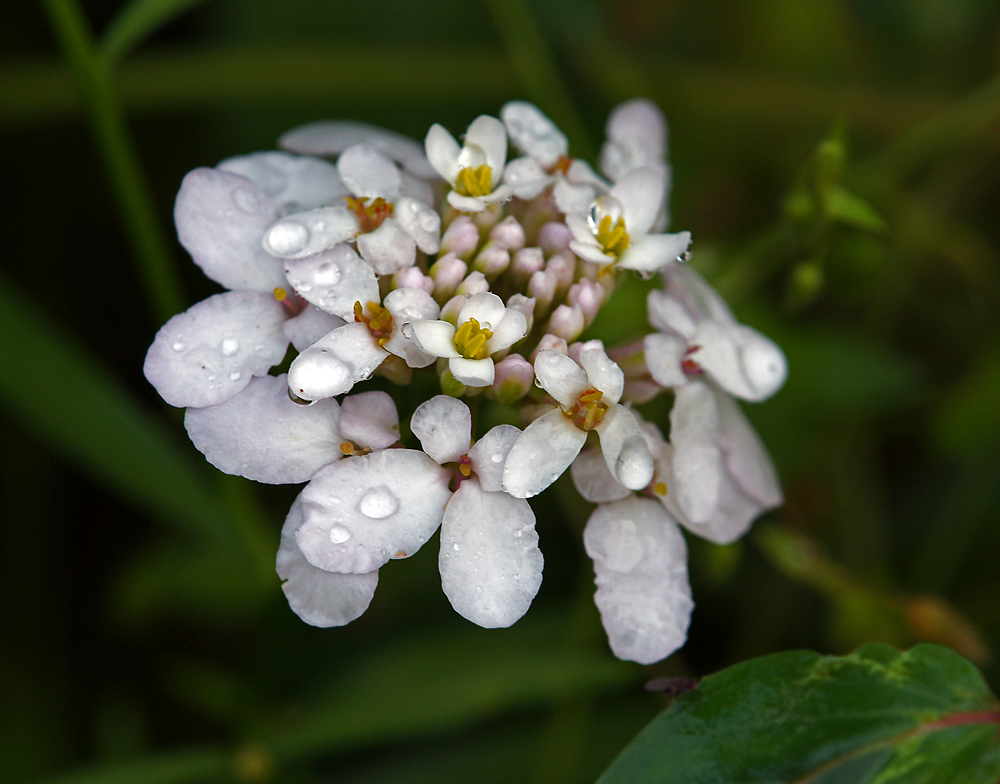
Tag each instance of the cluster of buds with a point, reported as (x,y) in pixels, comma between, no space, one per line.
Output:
(374,256)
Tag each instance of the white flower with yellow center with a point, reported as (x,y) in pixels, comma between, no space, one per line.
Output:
(616,229)
(475,169)
(485,327)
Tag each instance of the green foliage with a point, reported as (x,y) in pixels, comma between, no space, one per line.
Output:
(876,716)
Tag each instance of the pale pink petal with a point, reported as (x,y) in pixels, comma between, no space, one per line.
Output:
(335,363)
(653,252)
(305,233)
(309,326)
(443,425)
(664,354)
(489,454)
(594,481)
(435,337)
(486,307)
(526,178)
(641,195)
(560,376)
(369,420)
(624,448)
(295,182)
(369,174)
(512,327)
(541,454)
(603,373)
(421,222)
(443,152)
(334,280)
(489,135)
(533,133)
(668,314)
(698,465)
(746,457)
(388,249)
(473,372)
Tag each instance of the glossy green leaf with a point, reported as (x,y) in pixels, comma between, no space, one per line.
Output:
(137,21)
(877,716)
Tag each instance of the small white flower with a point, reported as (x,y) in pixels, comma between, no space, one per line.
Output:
(485,326)
(475,169)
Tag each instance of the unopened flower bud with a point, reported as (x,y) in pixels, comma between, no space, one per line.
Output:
(554,237)
(492,260)
(452,308)
(487,218)
(550,343)
(450,385)
(525,305)
(588,296)
(513,379)
(566,321)
(447,272)
(412,278)
(563,266)
(474,283)
(525,263)
(461,238)
(396,370)
(542,286)
(508,234)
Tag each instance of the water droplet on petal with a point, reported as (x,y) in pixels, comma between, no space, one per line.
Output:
(457,546)
(496,457)
(407,329)
(246,199)
(378,503)
(327,274)
(230,346)
(339,534)
(178,346)
(286,238)
(235,375)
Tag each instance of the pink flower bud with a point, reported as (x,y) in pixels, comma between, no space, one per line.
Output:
(588,296)
(525,263)
(554,237)
(508,234)
(550,343)
(563,266)
(412,278)
(461,237)
(542,286)
(513,379)
(474,283)
(447,272)
(567,322)
(492,260)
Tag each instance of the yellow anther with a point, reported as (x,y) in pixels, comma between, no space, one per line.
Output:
(612,237)
(660,488)
(280,294)
(347,448)
(588,411)
(379,323)
(475,182)
(470,340)
(371,215)
(466,469)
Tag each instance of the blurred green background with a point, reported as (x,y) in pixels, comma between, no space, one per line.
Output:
(838,163)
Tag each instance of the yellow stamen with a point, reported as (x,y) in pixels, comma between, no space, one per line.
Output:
(347,448)
(280,294)
(470,340)
(371,216)
(475,182)
(466,469)
(588,411)
(660,488)
(613,238)
(379,323)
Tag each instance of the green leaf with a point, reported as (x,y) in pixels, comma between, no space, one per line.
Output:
(877,716)
(137,21)
(845,207)
(968,421)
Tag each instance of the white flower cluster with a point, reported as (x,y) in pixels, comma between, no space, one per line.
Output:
(449,260)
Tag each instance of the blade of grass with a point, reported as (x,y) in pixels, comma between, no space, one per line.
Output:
(136,22)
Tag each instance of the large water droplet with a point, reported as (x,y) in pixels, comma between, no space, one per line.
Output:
(178,346)
(286,238)
(378,503)
(246,199)
(339,534)
(230,346)
(327,274)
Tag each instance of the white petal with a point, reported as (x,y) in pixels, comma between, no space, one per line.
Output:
(718,356)
(668,314)
(664,354)
(526,178)
(361,512)
(220,219)
(295,182)
(641,195)
(624,448)
(334,280)
(489,135)
(603,373)
(560,376)
(473,372)
(655,251)
(637,136)
(486,307)
(698,297)
(746,457)
(418,189)
(305,233)
(489,454)
(443,425)
(643,593)
(309,326)
(435,337)
(762,362)
(262,435)
(593,479)
(407,305)
(319,598)
(466,203)
(369,420)
(491,567)
(388,249)
(208,354)
(420,222)
(512,327)
(335,363)
(443,152)
(541,454)
(369,174)
(572,198)
(697,463)
(533,133)
(329,138)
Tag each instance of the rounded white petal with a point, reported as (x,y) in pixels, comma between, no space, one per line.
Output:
(319,598)
(489,454)
(624,448)
(664,354)
(295,182)
(406,306)
(309,326)
(442,152)
(745,455)
(643,593)
(763,363)
(653,252)
(491,567)
(512,327)
(466,203)
(489,135)
(641,195)
(668,314)
(560,376)
(435,337)
(533,133)
(526,178)
(421,222)
(207,354)
(541,454)
(369,420)
(334,280)
(637,136)
(473,372)
(419,190)
(262,435)
(329,138)
(306,233)
(388,249)
(220,220)
(593,479)
(362,511)
(443,425)
(698,466)
(603,373)
(335,363)
(572,198)
(369,174)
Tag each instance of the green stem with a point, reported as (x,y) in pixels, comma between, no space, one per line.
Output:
(537,70)
(149,244)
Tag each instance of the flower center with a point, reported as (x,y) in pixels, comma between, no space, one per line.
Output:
(612,236)
(290,301)
(379,323)
(588,410)
(475,182)
(349,449)
(689,365)
(470,340)
(562,165)
(371,215)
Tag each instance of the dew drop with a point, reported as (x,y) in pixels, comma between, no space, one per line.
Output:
(286,238)
(517,533)
(496,457)
(339,534)
(178,346)
(457,546)
(230,346)
(407,329)
(428,222)
(235,375)
(327,274)
(378,503)
(246,200)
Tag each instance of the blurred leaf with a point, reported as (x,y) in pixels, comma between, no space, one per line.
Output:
(968,420)
(875,715)
(56,389)
(137,21)
(207,765)
(845,207)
